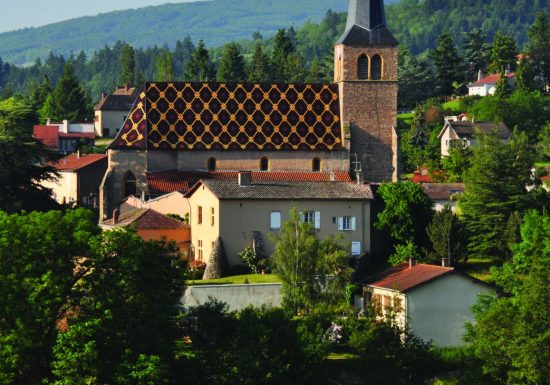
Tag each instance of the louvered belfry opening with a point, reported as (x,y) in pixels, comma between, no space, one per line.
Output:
(376,67)
(363,67)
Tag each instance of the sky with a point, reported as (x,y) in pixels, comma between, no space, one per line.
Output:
(16,14)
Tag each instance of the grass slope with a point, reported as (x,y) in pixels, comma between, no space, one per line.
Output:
(237,280)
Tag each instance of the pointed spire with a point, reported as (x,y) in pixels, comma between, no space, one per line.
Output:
(367,25)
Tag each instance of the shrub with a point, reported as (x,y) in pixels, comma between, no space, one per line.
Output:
(195,269)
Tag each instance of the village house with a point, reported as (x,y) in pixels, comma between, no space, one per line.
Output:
(487,85)
(112,110)
(152,225)
(443,194)
(435,302)
(462,133)
(79,179)
(65,137)
(245,211)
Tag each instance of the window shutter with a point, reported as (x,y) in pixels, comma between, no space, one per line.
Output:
(353,223)
(340,224)
(317,220)
(355,248)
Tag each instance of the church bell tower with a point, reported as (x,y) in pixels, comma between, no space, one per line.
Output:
(365,69)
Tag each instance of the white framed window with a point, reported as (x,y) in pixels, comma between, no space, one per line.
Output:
(347,224)
(355,248)
(313,217)
(275,220)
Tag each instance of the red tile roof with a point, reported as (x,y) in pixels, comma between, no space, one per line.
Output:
(74,163)
(403,278)
(49,135)
(545,178)
(419,178)
(492,79)
(145,219)
(173,180)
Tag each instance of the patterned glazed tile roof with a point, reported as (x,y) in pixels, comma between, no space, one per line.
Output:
(164,182)
(233,116)
(74,163)
(264,190)
(403,278)
(145,219)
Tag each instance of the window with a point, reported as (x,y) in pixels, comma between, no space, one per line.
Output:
(199,215)
(355,248)
(129,184)
(200,252)
(313,217)
(211,166)
(264,164)
(363,67)
(212,216)
(347,223)
(275,220)
(316,165)
(376,68)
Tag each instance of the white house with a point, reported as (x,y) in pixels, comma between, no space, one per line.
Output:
(462,133)
(434,301)
(443,194)
(487,85)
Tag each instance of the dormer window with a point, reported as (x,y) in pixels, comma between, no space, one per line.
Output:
(363,67)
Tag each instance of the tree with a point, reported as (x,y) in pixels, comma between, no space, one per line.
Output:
(503,89)
(415,79)
(511,334)
(296,68)
(200,68)
(475,50)
(260,68)
(538,48)
(495,188)
(303,263)
(24,160)
(503,53)
(68,100)
(448,237)
(38,259)
(122,319)
(407,212)
(128,64)
(457,162)
(182,56)
(283,47)
(39,93)
(446,61)
(217,267)
(525,76)
(164,67)
(232,65)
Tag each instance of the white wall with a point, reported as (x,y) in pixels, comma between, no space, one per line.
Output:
(65,188)
(438,310)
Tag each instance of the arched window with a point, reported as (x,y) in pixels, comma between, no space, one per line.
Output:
(129,184)
(316,165)
(376,67)
(264,164)
(363,67)
(211,164)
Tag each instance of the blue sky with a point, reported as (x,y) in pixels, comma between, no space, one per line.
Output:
(16,14)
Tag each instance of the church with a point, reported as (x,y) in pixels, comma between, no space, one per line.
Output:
(176,131)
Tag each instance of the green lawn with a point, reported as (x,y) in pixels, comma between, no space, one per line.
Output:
(103,141)
(237,280)
(453,105)
(478,268)
(542,164)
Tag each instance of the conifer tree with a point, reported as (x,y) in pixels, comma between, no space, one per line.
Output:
(200,68)
(68,100)
(128,64)
(164,67)
(538,48)
(282,49)
(525,76)
(296,68)
(503,87)
(476,50)
(182,56)
(260,69)
(446,62)
(503,53)
(232,65)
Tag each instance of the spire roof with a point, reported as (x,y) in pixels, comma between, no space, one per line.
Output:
(366,24)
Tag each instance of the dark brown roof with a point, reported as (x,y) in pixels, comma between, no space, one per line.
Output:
(175,180)
(403,278)
(263,190)
(121,100)
(233,117)
(442,191)
(145,219)
(468,129)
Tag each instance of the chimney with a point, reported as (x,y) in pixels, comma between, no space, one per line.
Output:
(479,75)
(359,177)
(116,215)
(446,262)
(412,263)
(78,153)
(245,178)
(48,122)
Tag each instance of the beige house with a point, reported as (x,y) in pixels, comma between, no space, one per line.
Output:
(434,301)
(241,212)
(460,133)
(112,110)
(79,179)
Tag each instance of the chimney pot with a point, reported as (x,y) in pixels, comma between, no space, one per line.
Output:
(245,178)
(116,215)
(78,153)
(446,262)
(412,263)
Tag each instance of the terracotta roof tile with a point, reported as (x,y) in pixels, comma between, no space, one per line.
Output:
(173,180)
(49,135)
(442,191)
(145,219)
(403,278)
(491,79)
(73,163)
